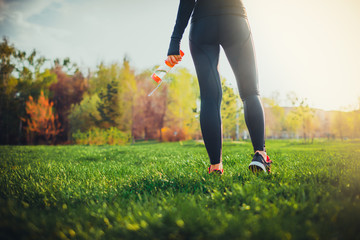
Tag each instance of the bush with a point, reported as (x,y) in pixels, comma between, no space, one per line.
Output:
(174,134)
(97,136)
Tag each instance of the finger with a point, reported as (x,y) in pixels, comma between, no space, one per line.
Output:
(177,59)
(169,60)
(174,60)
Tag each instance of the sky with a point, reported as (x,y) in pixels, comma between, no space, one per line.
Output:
(309,47)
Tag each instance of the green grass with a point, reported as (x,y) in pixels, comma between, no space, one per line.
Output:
(163,191)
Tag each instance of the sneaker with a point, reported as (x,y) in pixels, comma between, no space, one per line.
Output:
(260,164)
(217,171)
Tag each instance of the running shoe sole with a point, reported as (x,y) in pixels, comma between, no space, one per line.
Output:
(257,167)
(258,164)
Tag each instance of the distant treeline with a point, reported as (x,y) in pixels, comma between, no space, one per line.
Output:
(59,104)
(301,121)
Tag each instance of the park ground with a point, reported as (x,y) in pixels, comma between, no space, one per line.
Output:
(155,190)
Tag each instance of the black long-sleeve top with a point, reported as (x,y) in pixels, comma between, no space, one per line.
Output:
(199,9)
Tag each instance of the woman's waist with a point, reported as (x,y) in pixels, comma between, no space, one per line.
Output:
(240,11)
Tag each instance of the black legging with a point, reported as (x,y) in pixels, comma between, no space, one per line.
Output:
(233,34)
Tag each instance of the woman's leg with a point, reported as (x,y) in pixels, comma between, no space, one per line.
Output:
(254,118)
(236,39)
(205,54)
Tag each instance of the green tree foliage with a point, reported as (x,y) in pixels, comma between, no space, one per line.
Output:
(116,87)
(83,116)
(108,104)
(109,107)
(292,124)
(355,117)
(231,114)
(103,76)
(274,116)
(21,75)
(301,119)
(182,111)
(341,125)
(67,66)
(127,89)
(116,98)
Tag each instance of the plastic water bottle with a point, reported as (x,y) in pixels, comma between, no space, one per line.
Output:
(161,71)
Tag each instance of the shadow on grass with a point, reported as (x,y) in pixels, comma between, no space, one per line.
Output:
(89,158)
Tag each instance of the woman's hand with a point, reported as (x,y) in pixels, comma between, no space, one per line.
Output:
(174,59)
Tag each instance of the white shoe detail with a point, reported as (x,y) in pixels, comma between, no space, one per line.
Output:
(258,164)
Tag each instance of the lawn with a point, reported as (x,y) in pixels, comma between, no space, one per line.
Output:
(163,191)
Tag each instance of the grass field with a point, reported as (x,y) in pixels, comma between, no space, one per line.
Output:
(163,191)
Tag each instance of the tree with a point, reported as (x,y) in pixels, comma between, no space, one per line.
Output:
(274,116)
(116,87)
(149,112)
(83,116)
(102,77)
(301,118)
(292,123)
(22,75)
(355,116)
(68,90)
(8,88)
(127,89)
(230,111)
(182,110)
(109,107)
(42,120)
(340,126)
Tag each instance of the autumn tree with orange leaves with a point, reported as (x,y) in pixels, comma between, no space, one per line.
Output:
(42,121)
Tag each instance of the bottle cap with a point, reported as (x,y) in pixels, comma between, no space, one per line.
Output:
(156,78)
